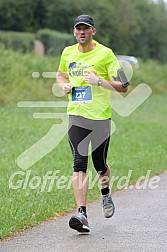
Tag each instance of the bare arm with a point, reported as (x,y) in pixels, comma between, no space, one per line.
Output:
(116,86)
(63,81)
(91,78)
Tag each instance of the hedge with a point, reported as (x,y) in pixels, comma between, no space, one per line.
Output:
(54,41)
(18,41)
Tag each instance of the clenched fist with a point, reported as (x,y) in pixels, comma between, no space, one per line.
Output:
(67,88)
(91,78)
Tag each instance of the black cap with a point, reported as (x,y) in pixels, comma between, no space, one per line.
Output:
(84,19)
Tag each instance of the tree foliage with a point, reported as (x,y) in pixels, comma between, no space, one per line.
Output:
(127,26)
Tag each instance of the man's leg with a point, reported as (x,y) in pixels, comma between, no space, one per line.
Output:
(80,183)
(80,186)
(100,142)
(105,180)
(99,156)
(100,139)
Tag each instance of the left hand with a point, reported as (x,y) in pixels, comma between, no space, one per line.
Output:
(91,78)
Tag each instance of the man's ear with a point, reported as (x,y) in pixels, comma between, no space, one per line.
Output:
(94,31)
(74,32)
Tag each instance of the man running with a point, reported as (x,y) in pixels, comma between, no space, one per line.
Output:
(86,73)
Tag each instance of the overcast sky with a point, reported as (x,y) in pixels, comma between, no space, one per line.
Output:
(163,0)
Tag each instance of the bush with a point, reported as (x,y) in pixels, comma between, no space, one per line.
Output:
(17,41)
(54,41)
(16,81)
(152,73)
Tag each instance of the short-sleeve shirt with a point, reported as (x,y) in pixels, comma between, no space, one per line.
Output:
(104,63)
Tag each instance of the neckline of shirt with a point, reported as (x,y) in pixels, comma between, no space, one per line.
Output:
(96,45)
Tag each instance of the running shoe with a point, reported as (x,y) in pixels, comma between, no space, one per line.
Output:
(79,223)
(108,207)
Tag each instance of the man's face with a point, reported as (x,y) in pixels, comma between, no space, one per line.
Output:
(84,33)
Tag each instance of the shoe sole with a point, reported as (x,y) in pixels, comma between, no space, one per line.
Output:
(75,223)
(110,215)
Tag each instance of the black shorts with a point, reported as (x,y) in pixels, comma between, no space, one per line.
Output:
(82,132)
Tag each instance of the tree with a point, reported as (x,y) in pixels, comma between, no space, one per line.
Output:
(22,15)
(127,26)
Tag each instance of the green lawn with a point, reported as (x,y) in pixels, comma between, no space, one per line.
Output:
(138,144)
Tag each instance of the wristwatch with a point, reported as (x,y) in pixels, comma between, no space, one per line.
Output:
(99,82)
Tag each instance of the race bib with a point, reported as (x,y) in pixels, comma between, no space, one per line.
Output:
(82,94)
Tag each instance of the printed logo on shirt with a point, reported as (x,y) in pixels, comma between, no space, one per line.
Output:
(77,69)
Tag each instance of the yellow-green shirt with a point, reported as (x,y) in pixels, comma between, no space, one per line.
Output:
(101,60)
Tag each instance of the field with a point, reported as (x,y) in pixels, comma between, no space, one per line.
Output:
(139,144)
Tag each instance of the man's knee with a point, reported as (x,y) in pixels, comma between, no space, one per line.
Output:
(102,170)
(80,164)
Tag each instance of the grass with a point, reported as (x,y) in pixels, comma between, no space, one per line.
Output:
(152,73)
(138,144)
(16,81)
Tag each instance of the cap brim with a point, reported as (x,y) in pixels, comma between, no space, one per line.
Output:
(83,23)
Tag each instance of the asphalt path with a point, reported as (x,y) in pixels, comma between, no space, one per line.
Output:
(139,224)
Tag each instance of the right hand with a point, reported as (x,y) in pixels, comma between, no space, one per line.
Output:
(67,88)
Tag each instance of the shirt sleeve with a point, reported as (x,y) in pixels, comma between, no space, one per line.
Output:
(62,65)
(112,65)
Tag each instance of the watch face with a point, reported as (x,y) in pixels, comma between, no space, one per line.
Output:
(100,82)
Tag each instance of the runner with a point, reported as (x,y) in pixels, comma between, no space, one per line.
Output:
(86,73)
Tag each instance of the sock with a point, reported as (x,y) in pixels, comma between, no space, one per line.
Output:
(105,191)
(82,209)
